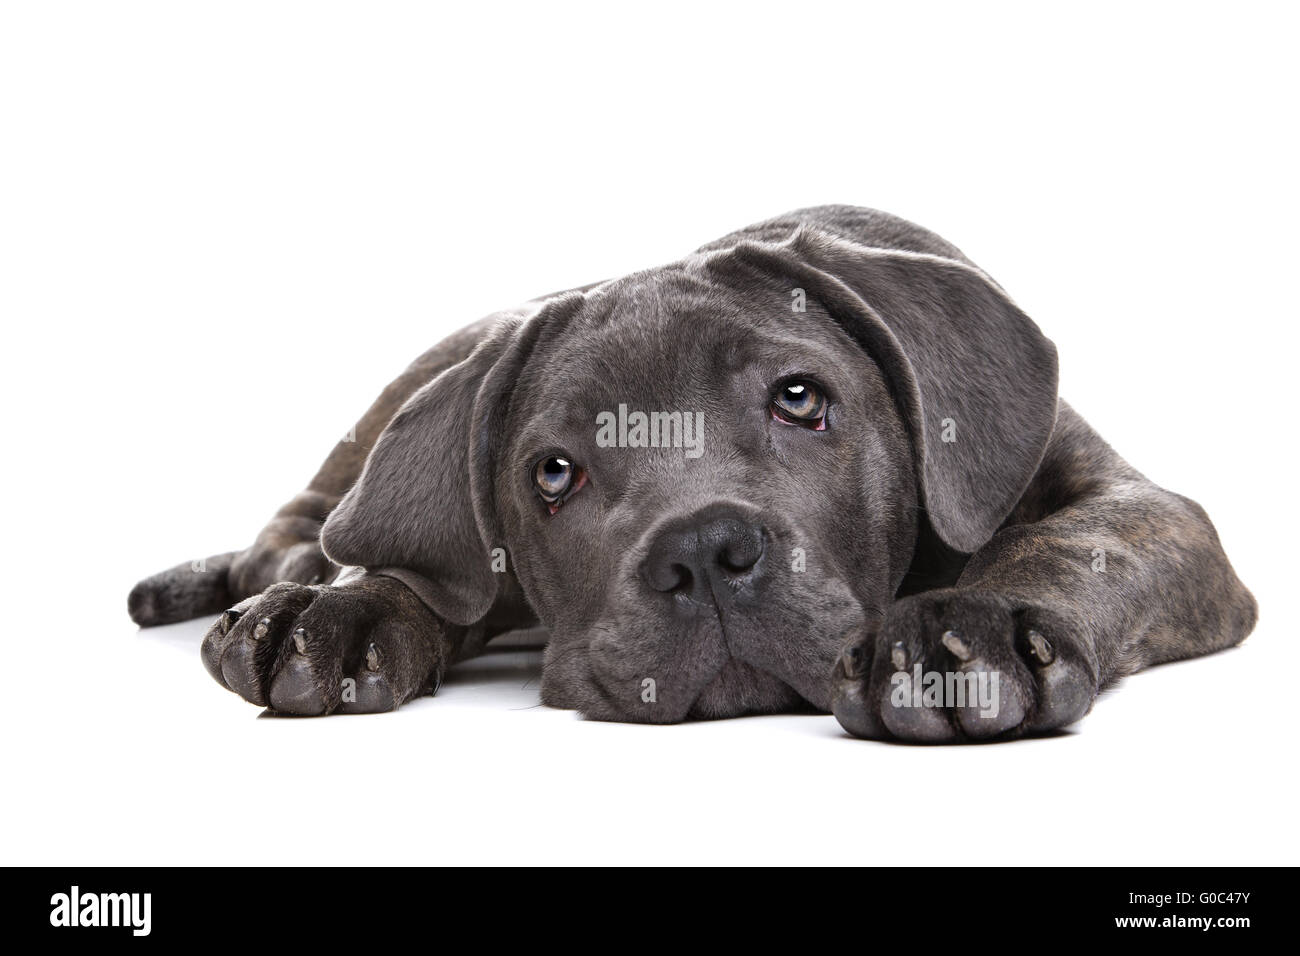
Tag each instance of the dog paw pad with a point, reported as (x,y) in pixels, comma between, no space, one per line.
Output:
(295,690)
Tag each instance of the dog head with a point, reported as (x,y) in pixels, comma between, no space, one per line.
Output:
(707,476)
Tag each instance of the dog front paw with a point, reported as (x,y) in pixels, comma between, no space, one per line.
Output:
(362,647)
(959,665)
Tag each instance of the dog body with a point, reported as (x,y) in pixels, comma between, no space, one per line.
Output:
(802,468)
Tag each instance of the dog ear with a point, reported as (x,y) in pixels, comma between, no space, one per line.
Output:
(974,377)
(411,513)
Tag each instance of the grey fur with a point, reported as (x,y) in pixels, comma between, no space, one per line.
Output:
(673,587)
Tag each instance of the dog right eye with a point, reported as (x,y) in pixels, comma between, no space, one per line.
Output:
(553,476)
(556,478)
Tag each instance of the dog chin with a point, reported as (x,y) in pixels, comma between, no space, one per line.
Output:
(641,670)
(740,689)
(737,689)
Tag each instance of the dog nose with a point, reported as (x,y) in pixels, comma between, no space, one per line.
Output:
(717,545)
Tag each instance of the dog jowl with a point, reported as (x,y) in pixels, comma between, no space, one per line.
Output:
(889,486)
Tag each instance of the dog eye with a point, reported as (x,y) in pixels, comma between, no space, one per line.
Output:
(553,476)
(556,479)
(800,403)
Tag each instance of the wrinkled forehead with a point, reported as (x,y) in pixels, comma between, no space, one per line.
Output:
(671,338)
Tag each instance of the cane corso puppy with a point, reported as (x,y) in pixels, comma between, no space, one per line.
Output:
(818,464)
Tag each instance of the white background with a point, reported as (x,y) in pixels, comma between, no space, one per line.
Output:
(209,211)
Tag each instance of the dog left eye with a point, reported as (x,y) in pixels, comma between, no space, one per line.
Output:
(800,403)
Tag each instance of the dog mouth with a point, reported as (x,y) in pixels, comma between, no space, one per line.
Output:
(697,654)
(739,689)
(724,666)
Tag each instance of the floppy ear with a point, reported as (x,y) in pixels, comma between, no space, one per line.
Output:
(973,375)
(411,513)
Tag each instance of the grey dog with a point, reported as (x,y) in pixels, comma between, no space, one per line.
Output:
(803,468)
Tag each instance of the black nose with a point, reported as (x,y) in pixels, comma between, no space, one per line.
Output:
(714,551)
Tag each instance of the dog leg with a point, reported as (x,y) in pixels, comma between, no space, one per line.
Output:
(363,646)
(1097,574)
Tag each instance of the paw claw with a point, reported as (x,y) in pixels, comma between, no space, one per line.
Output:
(300,640)
(263,628)
(956,646)
(372,658)
(228,620)
(1041,648)
(853,661)
(899,656)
